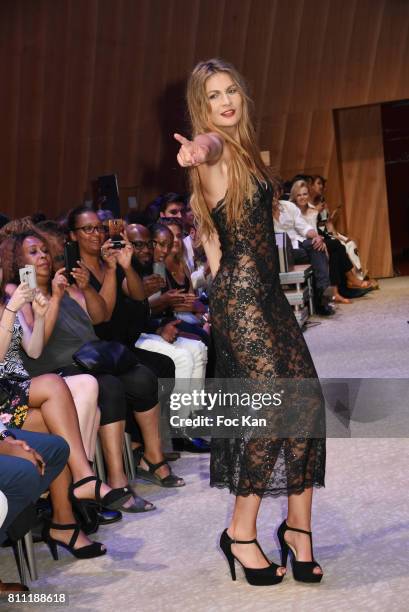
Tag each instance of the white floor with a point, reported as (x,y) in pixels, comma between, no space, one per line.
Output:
(169,560)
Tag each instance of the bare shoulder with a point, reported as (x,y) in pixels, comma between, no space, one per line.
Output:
(213,175)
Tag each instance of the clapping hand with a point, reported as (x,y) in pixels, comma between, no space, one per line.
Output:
(191,153)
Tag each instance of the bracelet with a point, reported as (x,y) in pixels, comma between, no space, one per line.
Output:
(10,310)
(5,433)
(6,328)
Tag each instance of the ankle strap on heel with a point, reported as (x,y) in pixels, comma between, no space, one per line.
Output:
(299,530)
(83,481)
(234,541)
(76,529)
(243,541)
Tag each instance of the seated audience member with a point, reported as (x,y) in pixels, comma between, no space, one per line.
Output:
(340,266)
(68,327)
(167,205)
(29,462)
(189,360)
(308,247)
(122,290)
(178,276)
(26,248)
(44,404)
(189,356)
(195,259)
(164,301)
(326,226)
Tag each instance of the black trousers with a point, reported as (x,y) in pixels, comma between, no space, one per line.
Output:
(339,262)
(164,368)
(318,259)
(136,391)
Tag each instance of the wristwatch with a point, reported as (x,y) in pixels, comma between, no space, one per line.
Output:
(6,434)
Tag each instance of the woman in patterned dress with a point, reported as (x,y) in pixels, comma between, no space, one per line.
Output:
(44,404)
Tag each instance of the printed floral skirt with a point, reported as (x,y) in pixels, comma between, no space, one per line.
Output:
(13,413)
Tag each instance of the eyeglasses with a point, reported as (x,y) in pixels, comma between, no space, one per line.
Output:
(140,244)
(92,229)
(164,245)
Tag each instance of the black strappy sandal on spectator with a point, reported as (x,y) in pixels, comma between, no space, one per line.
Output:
(169,481)
(85,552)
(112,500)
(138,504)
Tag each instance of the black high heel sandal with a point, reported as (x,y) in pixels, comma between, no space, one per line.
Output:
(169,481)
(85,552)
(302,570)
(112,500)
(256,577)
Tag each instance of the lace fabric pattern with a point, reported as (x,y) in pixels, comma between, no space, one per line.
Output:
(257,337)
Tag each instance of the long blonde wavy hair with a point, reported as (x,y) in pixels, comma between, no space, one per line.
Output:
(246,162)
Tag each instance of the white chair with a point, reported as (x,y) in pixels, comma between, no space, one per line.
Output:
(19,547)
(3,508)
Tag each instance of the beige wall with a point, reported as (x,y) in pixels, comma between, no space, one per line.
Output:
(95,86)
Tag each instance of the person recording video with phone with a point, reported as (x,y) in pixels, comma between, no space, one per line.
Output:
(44,404)
(113,277)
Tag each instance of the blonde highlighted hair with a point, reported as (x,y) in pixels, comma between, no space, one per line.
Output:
(245,163)
(295,188)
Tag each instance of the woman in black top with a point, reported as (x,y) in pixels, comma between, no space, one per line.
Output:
(120,286)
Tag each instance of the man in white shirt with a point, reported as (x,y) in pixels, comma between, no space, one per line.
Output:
(308,247)
(200,276)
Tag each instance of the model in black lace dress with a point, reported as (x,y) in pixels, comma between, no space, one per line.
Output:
(257,337)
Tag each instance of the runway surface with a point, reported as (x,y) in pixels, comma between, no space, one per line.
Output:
(169,560)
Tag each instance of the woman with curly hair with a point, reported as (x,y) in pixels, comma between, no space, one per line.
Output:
(44,404)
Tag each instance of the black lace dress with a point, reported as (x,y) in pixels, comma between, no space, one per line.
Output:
(257,337)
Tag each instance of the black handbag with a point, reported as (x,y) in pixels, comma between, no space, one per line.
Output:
(105,357)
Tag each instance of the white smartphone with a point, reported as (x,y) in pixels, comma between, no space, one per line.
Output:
(28,275)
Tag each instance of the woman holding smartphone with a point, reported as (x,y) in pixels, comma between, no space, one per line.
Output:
(44,404)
